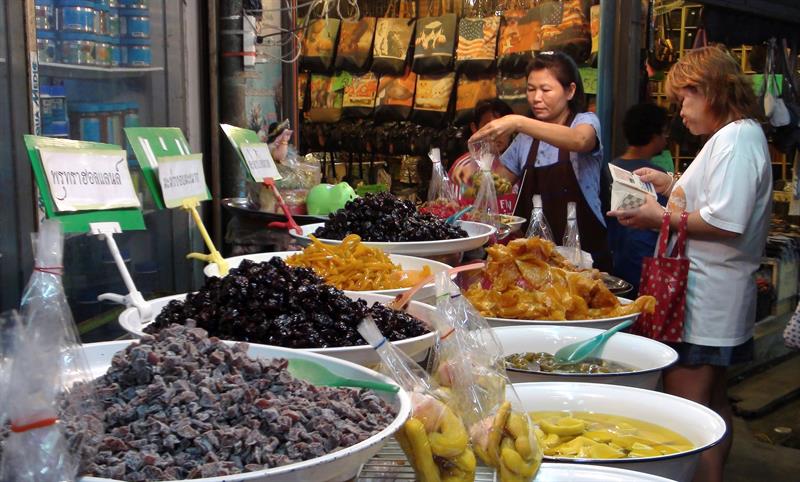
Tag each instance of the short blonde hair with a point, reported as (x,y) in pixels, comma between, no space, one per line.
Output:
(715,73)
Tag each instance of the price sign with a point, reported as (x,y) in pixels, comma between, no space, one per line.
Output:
(182,179)
(259,161)
(589,77)
(87,179)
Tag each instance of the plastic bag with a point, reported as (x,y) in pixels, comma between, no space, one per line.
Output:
(469,359)
(46,363)
(298,175)
(434,438)
(442,192)
(485,206)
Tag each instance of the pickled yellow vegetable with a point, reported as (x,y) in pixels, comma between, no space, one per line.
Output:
(600,436)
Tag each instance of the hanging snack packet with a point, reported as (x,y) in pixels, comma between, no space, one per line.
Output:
(469,360)
(46,363)
(485,206)
(434,438)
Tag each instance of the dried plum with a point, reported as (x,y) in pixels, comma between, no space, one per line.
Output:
(382,217)
(276,304)
(258,417)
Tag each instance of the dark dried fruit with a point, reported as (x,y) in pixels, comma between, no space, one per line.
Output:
(382,217)
(275,304)
(260,416)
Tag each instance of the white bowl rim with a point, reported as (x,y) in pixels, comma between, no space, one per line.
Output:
(404,408)
(673,355)
(635,460)
(396,258)
(377,244)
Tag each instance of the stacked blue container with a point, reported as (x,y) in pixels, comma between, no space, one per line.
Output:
(134,23)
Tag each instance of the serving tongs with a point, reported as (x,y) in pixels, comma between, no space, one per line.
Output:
(290,223)
(401,301)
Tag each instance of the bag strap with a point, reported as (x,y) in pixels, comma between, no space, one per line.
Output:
(679,251)
(663,237)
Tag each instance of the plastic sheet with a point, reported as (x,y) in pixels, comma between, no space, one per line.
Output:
(485,209)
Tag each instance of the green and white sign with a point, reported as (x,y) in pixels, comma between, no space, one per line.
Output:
(182,179)
(88,179)
(259,161)
(150,144)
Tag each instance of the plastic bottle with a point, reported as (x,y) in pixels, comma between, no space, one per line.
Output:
(572,239)
(538,225)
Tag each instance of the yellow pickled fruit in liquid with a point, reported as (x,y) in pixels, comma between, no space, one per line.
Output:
(565,426)
(575,446)
(602,436)
(602,451)
(642,450)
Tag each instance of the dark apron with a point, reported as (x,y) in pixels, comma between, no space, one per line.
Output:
(558,186)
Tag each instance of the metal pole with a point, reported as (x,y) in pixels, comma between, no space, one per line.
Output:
(605,73)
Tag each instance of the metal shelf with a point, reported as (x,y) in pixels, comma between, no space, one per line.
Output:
(93,71)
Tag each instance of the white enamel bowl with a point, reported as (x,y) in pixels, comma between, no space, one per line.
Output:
(601,323)
(337,466)
(409,263)
(416,347)
(550,472)
(647,356)
(478,235)
(703,427)
(514,222)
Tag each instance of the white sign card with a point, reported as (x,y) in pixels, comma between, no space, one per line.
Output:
(627,190)
(259,161)
(182,178)
(88,179)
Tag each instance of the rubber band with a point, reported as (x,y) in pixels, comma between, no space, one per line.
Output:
(380,343)
(452,330)
(54,270)
(45,422)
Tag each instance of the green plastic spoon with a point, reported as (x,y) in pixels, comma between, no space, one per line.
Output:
(579,351)
(319,375)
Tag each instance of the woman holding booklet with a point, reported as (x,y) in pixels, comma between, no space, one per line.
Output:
(726,192)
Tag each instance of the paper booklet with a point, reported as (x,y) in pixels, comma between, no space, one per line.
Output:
(627,190)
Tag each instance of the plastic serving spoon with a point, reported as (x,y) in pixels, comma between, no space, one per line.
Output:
(319,375)
(455,217)
(579,351)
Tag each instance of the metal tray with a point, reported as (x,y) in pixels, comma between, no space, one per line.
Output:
(240,206)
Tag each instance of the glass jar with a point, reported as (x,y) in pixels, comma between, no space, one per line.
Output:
(116,53)
(140,4)
(133,24)
(45,15)
(103,51)
(78,16)
(46,46)
(78,48)
(112,23)
(86,122)
(136,53)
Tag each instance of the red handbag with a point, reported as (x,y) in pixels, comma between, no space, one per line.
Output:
(665,278)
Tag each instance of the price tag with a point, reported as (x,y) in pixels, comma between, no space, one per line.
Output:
(88,179)
(259,161)
(182,179)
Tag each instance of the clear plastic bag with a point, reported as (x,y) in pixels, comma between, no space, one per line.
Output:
(46,363)
(538,226)
(485,208)
(434,438)
(469,360)
(572,238)
(442,192)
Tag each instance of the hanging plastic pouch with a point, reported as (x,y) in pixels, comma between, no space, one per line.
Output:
(325,103)
(519,38)
(434,439)
(435,41)
(477,44)
(512,89)
(566,28)
(432,101)
(469,360)
(470,91)
(485,208)
(395,97)
(319,45)
(392,40)
(442,193)
(355,44)
(359,95)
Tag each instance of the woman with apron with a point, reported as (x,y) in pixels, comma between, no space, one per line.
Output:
(557,153)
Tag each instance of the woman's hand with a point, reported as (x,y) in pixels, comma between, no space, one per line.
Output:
(463,173)
(505,125)
(649,215)
(661,181)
